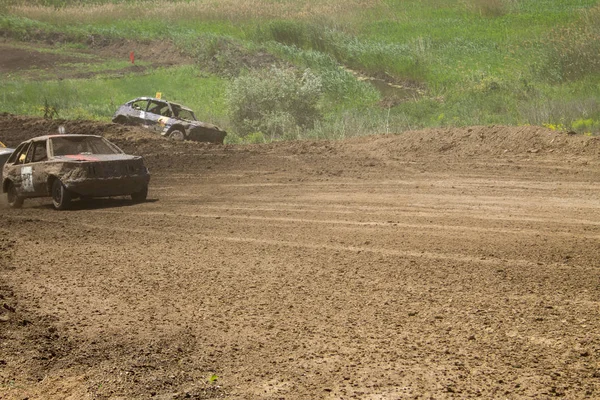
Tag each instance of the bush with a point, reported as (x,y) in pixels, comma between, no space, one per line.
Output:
(574,52)
(276,102)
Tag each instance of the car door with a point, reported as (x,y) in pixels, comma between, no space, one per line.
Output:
(27,171)
(157,111)
(14,170)
(36,159)
(137,112)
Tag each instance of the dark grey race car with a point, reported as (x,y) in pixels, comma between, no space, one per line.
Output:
(169,119)
(70,166)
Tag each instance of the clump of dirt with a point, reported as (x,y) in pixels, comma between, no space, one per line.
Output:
(14,128)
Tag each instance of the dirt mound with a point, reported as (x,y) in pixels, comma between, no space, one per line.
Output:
(343,156)
(14,129)
(478,141)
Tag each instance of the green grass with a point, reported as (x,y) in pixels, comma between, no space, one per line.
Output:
(474,61)
(98,98)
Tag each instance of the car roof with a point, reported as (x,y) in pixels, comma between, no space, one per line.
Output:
(163,100)
(45,137)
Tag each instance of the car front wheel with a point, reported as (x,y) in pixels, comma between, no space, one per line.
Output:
(177,134)
(141,196)
(61,197)
(14,200)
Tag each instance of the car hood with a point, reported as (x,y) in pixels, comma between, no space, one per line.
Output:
(96,157)
(6,150)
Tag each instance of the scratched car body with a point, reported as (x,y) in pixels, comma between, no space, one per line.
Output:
(170,119)
(67,167)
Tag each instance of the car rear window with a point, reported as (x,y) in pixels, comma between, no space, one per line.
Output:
(182,113)
(64,146)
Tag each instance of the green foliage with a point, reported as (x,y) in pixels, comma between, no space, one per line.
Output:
(376,57)
(586,125)
(340,86)
(277,102)
(574,51)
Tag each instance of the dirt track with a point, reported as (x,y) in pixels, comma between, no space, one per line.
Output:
(438,264)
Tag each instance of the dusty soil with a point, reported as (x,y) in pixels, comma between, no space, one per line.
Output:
(36,60)
(454,263)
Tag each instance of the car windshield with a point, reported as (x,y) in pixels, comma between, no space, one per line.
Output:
(63,146)
(182,113)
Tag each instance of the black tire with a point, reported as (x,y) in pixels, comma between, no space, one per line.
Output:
(14,200)
(141,196)
(177,134)
(120,119)
(61,197)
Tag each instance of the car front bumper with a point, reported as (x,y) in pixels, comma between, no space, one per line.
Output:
(107,187)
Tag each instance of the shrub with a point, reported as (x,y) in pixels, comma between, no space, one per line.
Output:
(586,126)
(574,52)
(275,102)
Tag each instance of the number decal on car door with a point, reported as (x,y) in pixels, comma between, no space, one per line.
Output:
(27,179)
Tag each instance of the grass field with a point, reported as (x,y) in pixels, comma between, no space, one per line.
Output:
(451,63)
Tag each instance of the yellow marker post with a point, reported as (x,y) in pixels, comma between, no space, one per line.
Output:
(158,95)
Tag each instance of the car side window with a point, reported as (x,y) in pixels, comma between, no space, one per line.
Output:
(159,108)
(15,155)
(139,105)
(21,154)
(29,155)
(39,152)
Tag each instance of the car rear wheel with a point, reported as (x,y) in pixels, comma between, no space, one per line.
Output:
(177,134)
(141,196)
(61,197)
(14,200)
(120,119)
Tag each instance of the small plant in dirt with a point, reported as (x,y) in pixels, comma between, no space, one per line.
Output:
(50,112)
(276,102)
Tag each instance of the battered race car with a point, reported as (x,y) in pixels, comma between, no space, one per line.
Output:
(65,167)
(169,119)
